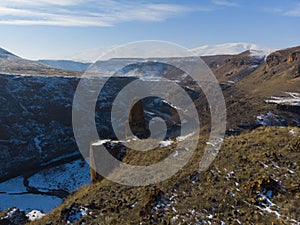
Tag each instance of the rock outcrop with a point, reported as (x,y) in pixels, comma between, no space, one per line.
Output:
(287,60)
(35,121)
(233,67)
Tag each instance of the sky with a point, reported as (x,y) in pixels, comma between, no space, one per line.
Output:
(40,29)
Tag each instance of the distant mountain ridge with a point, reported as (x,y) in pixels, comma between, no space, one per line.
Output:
(67,64)
(81,64)
(231,49)
(92,55)
(13,64)
(36,129)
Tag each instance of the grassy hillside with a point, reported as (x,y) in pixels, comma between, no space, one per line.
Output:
(255,179)
(246,99)
(280,72)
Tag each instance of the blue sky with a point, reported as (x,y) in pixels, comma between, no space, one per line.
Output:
(55,28)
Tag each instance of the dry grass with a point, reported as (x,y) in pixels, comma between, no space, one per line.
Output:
(218,192)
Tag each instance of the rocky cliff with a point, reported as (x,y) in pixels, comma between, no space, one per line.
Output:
(36,119)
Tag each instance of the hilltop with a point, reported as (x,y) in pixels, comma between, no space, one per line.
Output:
(13,64)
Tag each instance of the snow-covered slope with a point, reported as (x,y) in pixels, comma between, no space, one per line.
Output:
(92,55)
(4,52)
(230,49)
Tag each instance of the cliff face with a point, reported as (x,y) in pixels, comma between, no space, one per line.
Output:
(35,121)
(233,67)
(287,60)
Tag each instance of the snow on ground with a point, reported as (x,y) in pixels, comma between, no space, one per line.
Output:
(261,53)
(270,119)
(37,143)
(292,132)
(182,138)
(101,142)
(29,202)
(291,98)
(35,215)
(68,177)
(165,143)
(179,138)
(76,213)
(14,185)
(11,196)
(231,49)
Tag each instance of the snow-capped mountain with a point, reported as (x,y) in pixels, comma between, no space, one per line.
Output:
(3,53)
(230,49)
(92,55)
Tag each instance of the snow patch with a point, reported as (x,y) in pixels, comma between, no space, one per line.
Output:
(182,138)
(165,143)
(37,143)
(101,142)
(175,154)
(270,119)
(76,213)
(263,53)
(29,202)
(267,205)
(291,98)
(68,177)
(35,215)
(292,132)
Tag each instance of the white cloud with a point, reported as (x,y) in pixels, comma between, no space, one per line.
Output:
(225,3)
(5,11)
(85,12)
(41,2)
(294,12)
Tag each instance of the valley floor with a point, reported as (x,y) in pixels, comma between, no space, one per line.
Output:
(45,189)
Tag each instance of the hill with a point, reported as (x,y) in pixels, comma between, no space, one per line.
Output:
(92,55)
(229,49)
(12,64)
(233,68)
(251,181)
(247,99)
(67,65)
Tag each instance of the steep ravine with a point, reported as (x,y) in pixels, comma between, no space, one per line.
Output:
(36,119)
